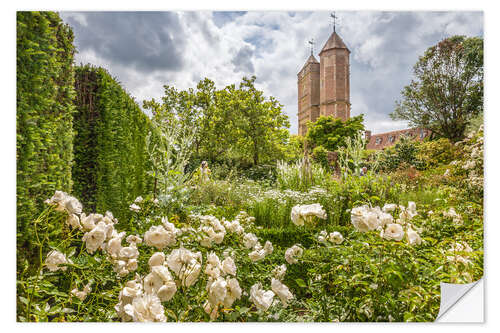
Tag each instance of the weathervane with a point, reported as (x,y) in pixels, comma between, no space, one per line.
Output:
(332,15)
(312,45)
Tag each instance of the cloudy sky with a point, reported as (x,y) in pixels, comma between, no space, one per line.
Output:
(146,50)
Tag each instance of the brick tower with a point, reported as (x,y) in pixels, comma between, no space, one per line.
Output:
(308,93)
(334,79)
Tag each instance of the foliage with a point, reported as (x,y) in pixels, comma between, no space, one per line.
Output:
(301,175)
(403,154)
(239,125)
(350,156)
(436,152)
(44,134)
(332,133)
(447,91)
(320,155)
(111,160)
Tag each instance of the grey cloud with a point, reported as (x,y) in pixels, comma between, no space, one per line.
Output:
(148,41)
(243,60)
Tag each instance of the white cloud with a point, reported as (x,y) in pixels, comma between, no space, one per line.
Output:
(273,44)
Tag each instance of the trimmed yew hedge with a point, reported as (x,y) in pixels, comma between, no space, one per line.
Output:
(44,131)
(110,168)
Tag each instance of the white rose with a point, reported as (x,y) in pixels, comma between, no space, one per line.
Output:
(157,259)
(95,238)
(158,237)
(413,237)
(261,298)
(249,240)
(389,208)
(54,259)
(394,231)
(292,253)
(336,237)
(281,291)
(146,308)
(228,266)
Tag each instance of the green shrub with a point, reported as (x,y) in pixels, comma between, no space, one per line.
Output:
(436,152)
(44,135)
(111,161)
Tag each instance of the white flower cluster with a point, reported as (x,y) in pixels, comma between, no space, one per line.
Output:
(186,265)
(55,259)
(159,281)
(260,297)
(281,291)
(333,237)
(123,258)
(65,202)
(82,294)
(452,214)
(459,253)
(134,207)
(365,218)
(279,272)
(161,236)
(260,252)
(98,229)
(292,253)
(221,291)
(210,231)
(305,213)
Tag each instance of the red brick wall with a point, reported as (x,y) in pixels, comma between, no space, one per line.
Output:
(384,140)
(308,95)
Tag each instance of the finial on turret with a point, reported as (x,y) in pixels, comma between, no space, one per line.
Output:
(312,45)
(332,15)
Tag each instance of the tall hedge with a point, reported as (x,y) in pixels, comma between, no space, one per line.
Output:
(110,168)
(45,93)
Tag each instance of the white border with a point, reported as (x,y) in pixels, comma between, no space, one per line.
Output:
(8,63)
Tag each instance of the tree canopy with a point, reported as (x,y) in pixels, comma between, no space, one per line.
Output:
(331,133)
(447,89)
(236,122)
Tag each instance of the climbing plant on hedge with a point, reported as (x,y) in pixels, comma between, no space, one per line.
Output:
(45,93)
(110,168)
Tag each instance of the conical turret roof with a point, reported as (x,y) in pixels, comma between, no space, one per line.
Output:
(310,60)
(334,42)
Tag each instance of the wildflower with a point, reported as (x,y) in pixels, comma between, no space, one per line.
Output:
(131,290)
(261,298)
(413,237)
(292,253)
(364,219)
(304,213)
(322,236)
(394,231)
(462,248)
(281,291)
(55,259)
(139,199)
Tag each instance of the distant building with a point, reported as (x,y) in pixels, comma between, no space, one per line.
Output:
(384,140)
(324,90)
(323,87)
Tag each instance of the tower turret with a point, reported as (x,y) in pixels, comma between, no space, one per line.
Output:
(308,93)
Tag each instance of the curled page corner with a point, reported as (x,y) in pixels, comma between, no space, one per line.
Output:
(451,294)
